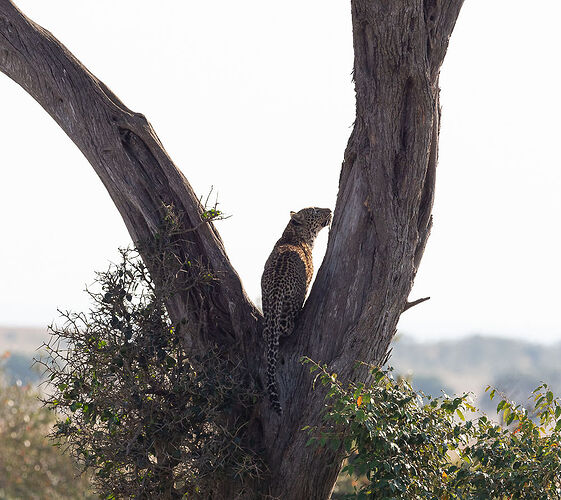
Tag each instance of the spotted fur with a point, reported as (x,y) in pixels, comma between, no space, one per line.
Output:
(288,272)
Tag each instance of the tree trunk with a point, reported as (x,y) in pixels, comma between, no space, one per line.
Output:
(381,222)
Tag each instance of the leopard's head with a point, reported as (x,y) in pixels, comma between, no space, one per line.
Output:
(308,222)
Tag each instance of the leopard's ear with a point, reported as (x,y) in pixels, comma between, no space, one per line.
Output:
(296,218)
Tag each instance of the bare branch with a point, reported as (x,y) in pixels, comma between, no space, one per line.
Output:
(130,160)
(409,305)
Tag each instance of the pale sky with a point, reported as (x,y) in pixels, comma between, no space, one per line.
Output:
(255,98)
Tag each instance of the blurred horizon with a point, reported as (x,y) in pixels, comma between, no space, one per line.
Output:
(454,366)
(11,337)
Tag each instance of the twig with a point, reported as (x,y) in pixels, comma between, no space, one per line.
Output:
(409,305)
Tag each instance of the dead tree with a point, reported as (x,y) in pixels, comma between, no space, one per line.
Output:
(381,221)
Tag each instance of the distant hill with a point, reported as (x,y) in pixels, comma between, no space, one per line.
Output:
(18,346)
(471,363)
(455,366)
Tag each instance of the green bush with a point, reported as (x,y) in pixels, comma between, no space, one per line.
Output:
(398,446)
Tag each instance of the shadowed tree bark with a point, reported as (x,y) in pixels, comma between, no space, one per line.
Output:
(380,228)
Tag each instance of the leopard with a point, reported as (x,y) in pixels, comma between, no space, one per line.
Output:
(284,284)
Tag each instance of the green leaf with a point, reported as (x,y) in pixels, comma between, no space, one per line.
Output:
(510,418)
(75,405)
(506,413)
(539,400)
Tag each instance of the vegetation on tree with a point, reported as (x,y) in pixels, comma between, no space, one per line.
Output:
(134,406)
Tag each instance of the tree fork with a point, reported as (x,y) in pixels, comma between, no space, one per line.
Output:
(379,232)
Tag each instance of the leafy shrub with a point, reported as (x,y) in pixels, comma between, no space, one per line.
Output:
(520,460)
(151,421)
(397,446)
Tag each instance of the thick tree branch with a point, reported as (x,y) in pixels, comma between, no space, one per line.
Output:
(440,18)
(449,12)
(131,162)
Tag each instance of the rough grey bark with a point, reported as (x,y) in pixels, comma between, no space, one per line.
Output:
(128,157)
(381,222)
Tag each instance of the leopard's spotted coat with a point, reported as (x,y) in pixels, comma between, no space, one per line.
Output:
(288,272)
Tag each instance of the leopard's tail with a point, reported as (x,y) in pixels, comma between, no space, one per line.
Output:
(272,359)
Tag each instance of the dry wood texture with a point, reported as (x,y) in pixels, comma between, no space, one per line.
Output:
(381,222)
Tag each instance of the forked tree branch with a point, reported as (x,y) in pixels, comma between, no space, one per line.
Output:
(380,226)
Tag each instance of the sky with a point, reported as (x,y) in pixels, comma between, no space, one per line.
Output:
(254,100)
